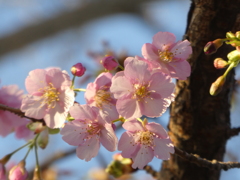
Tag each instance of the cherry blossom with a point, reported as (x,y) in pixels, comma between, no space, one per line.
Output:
(140,92)
(10,96)
(88,130)
(98,94)
(168,56)
(142,141)
(50,96)
(18,172)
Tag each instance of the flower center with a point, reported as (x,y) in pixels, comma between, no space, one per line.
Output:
(93,128)
(50,96)
(146,138)
(165,56)
(141,91)
(102,97)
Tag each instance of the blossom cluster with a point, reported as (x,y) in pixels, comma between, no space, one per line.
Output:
(143,88)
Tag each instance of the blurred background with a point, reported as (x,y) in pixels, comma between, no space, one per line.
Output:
(38,34)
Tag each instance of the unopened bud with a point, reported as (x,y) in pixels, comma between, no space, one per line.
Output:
(18,172)
(212,46)
(36,174)
(230,35)
(219,63)
(120,166)
(78,70)
(43,139)
(109,63)
(234,56)
(237,34)
(217,86)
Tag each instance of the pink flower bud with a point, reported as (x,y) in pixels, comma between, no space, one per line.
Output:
(18,172)
(109,63)
(78,70)
(219,63)
(212,46)
(2,172)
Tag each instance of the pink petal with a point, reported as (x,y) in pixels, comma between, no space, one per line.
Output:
(133,126)
(36,80)
(66,99)
(137,71)
(89,149)
(153,107)
(150,52)
(90,93)
(182,70)
(157,129)
(163,148)
(108,138)
(104,79)
(162,85)
(121,86)
(127,60)
(74,133)
(55,118)
(83,112)
(32,107)
(126,145)
(163,39)
(56,77)
(128,108)
(143,157)
(182,50)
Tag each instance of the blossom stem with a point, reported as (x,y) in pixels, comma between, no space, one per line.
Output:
(121,67)
(31,146)
(37,169)
(232,65)
(139,119)
(30,142)
(119,119)
(73,80)
(79,90)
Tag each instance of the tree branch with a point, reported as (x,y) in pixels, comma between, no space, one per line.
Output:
(202,162)
(84,13)
(18,112)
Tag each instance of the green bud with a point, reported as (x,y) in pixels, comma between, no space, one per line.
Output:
(234,57)
(230,35)
(43,139)
(217,86)
(237,34)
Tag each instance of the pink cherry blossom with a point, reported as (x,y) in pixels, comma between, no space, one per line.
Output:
(168,56)
(140,92)
(10,96)
(142,141)
(98,94)
(109,63)
(88,130)
(50,96)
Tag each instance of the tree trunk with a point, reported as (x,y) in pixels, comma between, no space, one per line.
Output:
(198,121)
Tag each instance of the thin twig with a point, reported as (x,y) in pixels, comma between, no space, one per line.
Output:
(18,112)
(214,164)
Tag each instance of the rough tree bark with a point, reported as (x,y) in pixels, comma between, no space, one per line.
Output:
(198,121)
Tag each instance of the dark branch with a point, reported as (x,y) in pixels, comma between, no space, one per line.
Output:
(202,162)
(18,112)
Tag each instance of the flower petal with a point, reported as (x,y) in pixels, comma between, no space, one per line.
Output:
(108,138)
(88,150)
